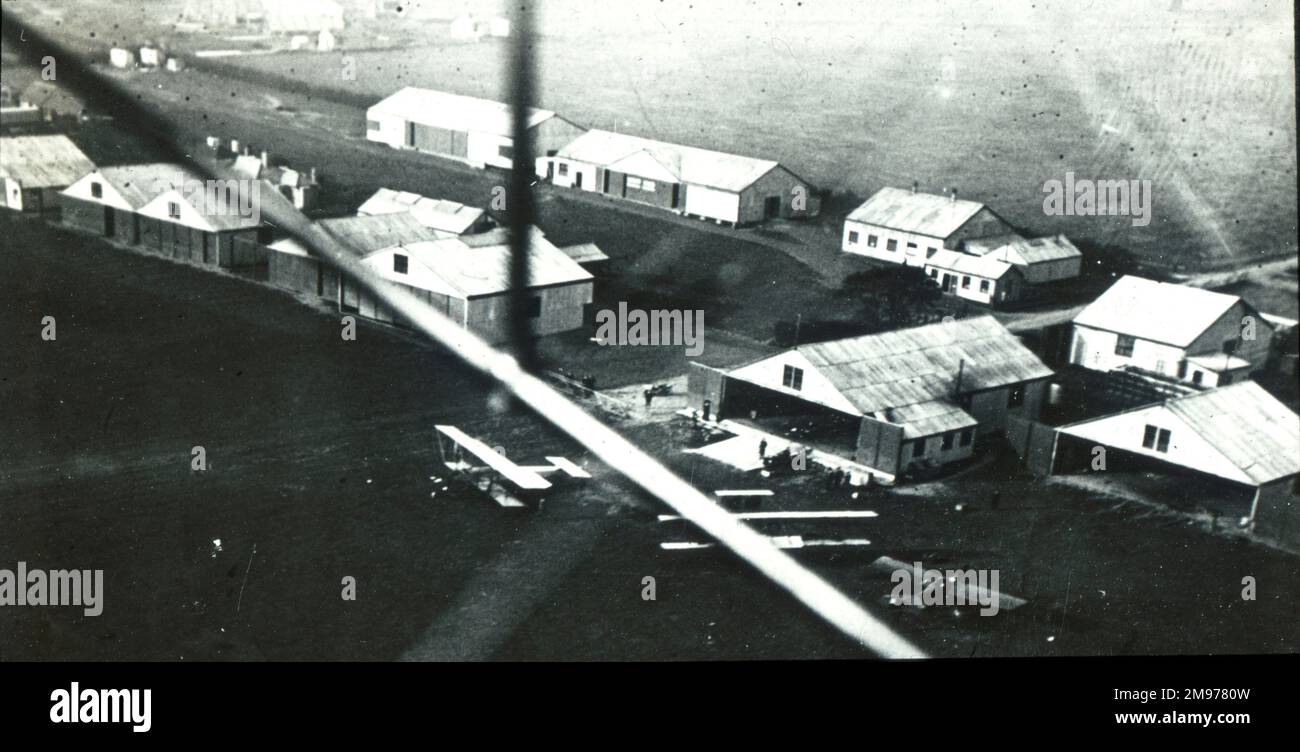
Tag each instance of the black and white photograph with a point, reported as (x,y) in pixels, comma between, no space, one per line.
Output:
(623,331)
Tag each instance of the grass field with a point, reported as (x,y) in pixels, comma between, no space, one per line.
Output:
(991,107)
(992,98)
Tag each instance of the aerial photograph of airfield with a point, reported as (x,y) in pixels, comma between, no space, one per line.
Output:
(964,329)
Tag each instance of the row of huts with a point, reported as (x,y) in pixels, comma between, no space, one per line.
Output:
(915,399)
(725,188)
(450,255)
(964,246)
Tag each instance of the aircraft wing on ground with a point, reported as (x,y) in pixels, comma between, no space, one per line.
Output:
(521,477)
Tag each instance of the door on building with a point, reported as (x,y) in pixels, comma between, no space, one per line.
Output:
(949,283)
(577,180)
(110,222)
(349,297)
(771,207)
(410,134)
(677,195)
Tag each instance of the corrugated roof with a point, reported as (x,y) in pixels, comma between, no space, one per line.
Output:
(453,111)
(921,213)
(440,214)
(982,246)
(1247,425)
(43,161)
(1256,437)
(141,183)
(1156,311)
(586,253)
(370,233)
(686,164)
(917,365)
(965,263)
(480,270)
(929,418)
(1036,250)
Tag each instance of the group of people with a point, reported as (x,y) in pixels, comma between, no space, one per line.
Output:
(838,478)
(588,381)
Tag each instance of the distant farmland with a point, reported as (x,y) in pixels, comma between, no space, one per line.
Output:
(992,112)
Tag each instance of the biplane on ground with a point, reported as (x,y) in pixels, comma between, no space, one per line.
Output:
(508,484)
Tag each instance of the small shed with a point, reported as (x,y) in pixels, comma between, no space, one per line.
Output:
(34,169)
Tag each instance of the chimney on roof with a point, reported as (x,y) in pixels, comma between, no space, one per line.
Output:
(234,146)
(266,159)
(915,185)
(953,196)
(311,176)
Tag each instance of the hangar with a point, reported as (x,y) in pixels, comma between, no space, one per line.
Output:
(891,401)
(467,129)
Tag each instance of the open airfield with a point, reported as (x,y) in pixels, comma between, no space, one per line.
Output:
(322,465)
(322,460)
(990,98)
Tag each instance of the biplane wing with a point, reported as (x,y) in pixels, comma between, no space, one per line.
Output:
(520,477)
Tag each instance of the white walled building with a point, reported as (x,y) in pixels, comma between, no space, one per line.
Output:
(1198,336)
(981,279)
(1040,260)
(907,227)
(727,188)
(467,129)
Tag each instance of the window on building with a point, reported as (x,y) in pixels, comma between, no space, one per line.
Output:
(918,448)
(1162,440)
(871,241)
(1197,377)
(966,435)
(934,272)
(965,282)
(948,439)
(891,245)
(1016,395)
(792,377)
(1149,437)
(97,190)
(930,252)
(1182,369)
(173,209)
(372,125)
(564,168)
(1124,345)
(506,151)
(984,285)
(853,236)
(400,263)
(911,246)
(1230,345)
(533,309)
